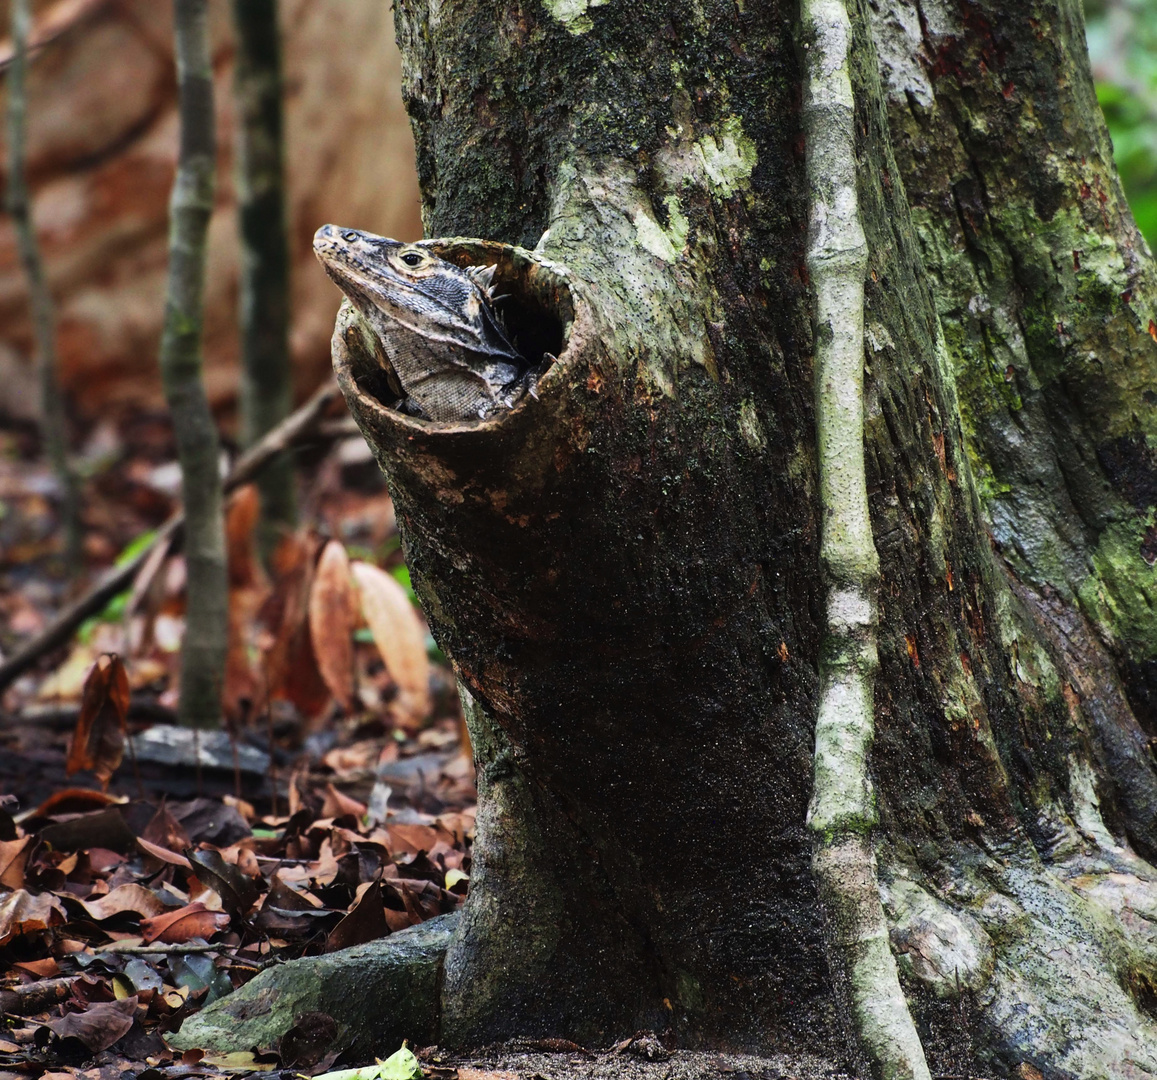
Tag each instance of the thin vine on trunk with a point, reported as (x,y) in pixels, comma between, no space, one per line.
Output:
(266,384)
(842,813)
(203,650)
(52,413)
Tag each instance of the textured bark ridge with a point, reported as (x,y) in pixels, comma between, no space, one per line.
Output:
(627,571)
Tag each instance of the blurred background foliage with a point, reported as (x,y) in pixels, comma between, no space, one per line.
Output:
(1122,38)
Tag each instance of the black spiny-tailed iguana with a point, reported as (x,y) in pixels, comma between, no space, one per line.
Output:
(437,324)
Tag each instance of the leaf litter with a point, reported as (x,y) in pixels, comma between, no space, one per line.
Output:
(146,870)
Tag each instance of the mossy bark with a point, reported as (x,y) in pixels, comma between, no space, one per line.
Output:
(627,574)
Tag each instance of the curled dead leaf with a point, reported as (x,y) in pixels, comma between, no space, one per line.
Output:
(130,897)
(98,743)
(23,913)
(98,1026)
(177,927)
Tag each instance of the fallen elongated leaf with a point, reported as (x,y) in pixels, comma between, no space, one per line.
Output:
(124,898)
(397,632)
(241,514)
(331,622)
(23,913)
(98,743)
(163,854)
(411,838)
(75,801)
(13,856)
(98,1026)
(184,924)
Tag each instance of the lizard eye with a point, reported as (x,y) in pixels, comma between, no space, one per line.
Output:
(412,258)
(349,237)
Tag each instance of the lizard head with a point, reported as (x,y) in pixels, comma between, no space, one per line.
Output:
(414,291)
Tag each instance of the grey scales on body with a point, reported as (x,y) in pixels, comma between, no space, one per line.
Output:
(449,354)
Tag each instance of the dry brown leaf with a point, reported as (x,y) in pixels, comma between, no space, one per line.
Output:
(397,632)
(162,853)
(184,924)
(23,913)
(47,968)
(331,623)
(366,921)
(412,838)
(130,897)
(100,1025)
(76,801)
(98,743)
(13,856)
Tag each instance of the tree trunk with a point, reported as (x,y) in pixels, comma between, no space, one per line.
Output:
(190,206)
(267,382)
(626,571)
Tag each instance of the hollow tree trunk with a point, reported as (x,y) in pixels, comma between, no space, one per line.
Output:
(626,571)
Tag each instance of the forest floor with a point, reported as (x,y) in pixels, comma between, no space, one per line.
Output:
(146,870)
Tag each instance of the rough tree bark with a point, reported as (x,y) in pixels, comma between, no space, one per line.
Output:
(627,570)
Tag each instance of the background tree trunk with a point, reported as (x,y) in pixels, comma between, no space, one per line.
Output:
(267,383)
(198,448)
(626,571)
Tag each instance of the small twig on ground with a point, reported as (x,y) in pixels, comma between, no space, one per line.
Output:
(295,429)
(148,950)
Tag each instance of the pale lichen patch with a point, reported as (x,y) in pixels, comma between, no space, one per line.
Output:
(666,244)
(720,163)
(728,158)
(573,13)
(749,426)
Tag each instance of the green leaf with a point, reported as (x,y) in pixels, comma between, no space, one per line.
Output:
(398,1066)
(402,576)
(135,547)
(401,1065)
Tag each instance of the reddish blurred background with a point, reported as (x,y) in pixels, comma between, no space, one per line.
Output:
(102,150)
